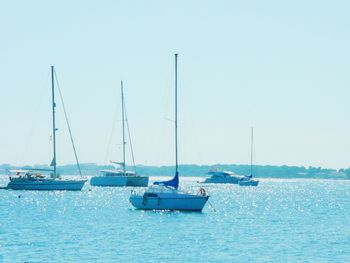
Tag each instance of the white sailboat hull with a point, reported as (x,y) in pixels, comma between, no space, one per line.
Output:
(134,181)
(138,181)
(54,184)
(108,181)
(180,202)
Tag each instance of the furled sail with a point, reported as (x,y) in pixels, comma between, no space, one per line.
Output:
(172,183)
(53,162)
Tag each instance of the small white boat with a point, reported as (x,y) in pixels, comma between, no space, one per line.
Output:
(121,177)
(248,180)
(222,177)
(166,195)
(32,179)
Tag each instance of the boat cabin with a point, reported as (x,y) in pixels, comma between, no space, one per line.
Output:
(117,173)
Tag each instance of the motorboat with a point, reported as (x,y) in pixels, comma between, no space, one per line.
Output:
(166,195)
(33,179)
(121,177)
(222,177)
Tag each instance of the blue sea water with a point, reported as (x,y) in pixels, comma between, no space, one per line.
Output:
(278,221)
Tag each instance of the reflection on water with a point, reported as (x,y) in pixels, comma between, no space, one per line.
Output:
(278,221)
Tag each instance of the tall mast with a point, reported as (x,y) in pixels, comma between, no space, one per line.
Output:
(53,121)
(175,181)
(176,150)
(251,150)
(123,125)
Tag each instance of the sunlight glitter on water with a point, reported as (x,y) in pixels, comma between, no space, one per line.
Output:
(278,221)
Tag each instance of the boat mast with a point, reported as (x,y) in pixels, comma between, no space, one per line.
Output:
(251,150)
(176,150)
(53,122)
(123,125)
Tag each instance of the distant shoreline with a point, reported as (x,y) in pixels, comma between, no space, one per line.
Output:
(259,171)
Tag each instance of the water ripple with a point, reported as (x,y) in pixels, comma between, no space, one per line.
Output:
(279,221)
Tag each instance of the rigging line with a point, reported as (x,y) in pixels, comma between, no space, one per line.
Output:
(68,125)
(211,206)
(161,131)
(251,150)
(34,121)
(127,126)
(111,137)
(255,164)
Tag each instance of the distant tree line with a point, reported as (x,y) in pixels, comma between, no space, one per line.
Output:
(262,171)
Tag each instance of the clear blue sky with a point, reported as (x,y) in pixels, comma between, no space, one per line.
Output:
(282,67)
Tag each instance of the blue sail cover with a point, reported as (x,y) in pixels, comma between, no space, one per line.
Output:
(172,183)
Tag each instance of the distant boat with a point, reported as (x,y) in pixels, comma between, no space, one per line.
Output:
(166,195)
(33,179)
(120,177)
(249,180)
(222,177)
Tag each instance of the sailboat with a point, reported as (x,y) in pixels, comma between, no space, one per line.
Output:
(120,177)
(249,180)
(32,179)
(166,195)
